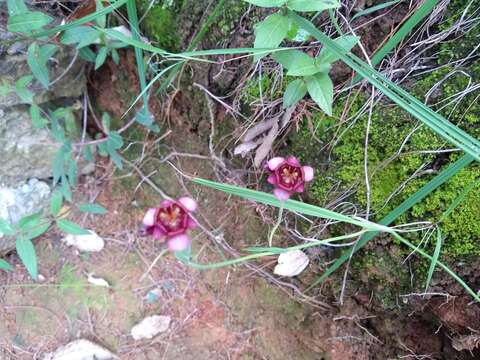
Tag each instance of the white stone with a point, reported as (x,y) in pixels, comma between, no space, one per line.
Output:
(291,263)
(150,327)
(88,243)
(97,281)
(80,350)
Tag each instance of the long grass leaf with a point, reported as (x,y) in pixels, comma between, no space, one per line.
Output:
(402,98)
(418,196)
(434,261)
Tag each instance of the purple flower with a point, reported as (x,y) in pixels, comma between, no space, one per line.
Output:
(171,221)
(288,176)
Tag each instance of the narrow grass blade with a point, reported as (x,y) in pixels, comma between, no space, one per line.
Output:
(135,29)
(81,21)
(458,200)
(401,34)
(435,121)
(292,205)
(375,8)
(5,265)
(433,184)
(434,261)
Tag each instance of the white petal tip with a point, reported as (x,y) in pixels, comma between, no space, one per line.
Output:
(274,162)
(308,173)
(149,218)
(188,203)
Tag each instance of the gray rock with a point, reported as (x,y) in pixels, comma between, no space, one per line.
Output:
(16,202)
(26,152)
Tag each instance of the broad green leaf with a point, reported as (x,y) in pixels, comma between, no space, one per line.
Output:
(5,265)
(16,7)
(294,92)
(29,221)
(56,203)
(267,3)
(47,51)
(101,57)
(93,209)
(312,5)
(346,42)
(26,22)
(65,188)
(21,89)
(81,35)
(70,227)
(115,56)
(87,54)
(117,160)
(38,121)
(72,172)
(6,228)
(106,121)
(434,261)
(298,63)
(87,152)
(270,32)
(115,140)
(36,231)
(26,253)
(320,88)
(38,65)
(58,165)
(102,19)
(5,88)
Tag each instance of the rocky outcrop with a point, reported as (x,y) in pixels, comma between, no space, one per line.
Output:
(26,153)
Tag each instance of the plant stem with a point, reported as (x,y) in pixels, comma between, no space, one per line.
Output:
(277,224)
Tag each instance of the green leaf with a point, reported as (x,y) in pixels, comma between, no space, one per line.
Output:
(38,121)
(87,54)
(298,63)
(81,35)
(37,64)
(346,42)
(26,252)
(294,92)
(270,32)
(102,19)
(56,203)
(374,8)
(28,21)
(87,152)
(320,88)
(70,227)
(312,5)
(93,209)
(47,51)
(6,228)
(5,88)
(72,171)
(38,230)
(5,265)
(185,255)
(101,57)
(434,261)
(117,160)
(58,165)
(29,221)
(21,89)
(267,3)
(115,140)
(106,121)
(16,7)
(115,56)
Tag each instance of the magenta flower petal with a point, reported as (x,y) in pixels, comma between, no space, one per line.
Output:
(178,243)
(300,188)
(166,203)
(188,203)
(274,163)
(272,179)
(292,160)
(158,233)
(149,218)
(281,194)
(192,224)
(307,173)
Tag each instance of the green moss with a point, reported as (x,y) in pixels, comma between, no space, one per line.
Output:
(336,149)
(160,23)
